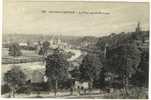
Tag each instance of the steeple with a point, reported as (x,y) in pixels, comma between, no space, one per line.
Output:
(138,29)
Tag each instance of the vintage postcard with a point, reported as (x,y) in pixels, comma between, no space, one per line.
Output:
(75,49)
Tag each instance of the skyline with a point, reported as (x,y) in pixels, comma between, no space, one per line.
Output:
(27,18)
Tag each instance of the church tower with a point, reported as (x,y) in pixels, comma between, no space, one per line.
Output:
(138,29)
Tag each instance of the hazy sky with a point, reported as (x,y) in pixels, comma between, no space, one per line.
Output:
(27,18)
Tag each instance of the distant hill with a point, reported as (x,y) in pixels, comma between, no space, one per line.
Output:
(123,38)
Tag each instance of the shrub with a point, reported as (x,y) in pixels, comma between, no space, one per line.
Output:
(5,89)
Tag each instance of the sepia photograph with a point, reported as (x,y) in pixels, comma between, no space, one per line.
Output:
(75,49)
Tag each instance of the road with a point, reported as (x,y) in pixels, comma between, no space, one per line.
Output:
(61,95)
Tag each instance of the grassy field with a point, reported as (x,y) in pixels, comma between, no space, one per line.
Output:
(25,53)
(27,56)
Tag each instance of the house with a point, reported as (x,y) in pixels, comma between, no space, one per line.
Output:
(22,44)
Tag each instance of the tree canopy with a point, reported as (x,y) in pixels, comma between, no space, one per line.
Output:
(14,78)
(56,68)
(91,67)
(14,50)
(123,58)
(44,48)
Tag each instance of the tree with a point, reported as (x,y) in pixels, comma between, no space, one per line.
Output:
(56,68)
(101,79)
(44,49)
(142,75)
(90,68)
(14,50)
(123,61)
(144,67)
(14,78)
(123,56)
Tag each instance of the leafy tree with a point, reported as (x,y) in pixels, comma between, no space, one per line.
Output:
(14,78)
(14,50)
(123,60)
(144,66)
(56,68)
(5,89)
(90,68)
(101,79)
(141,76)
(44,49)
(123,56)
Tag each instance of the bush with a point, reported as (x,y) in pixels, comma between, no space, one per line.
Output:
(24,89)
(5,89)
(40,86)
